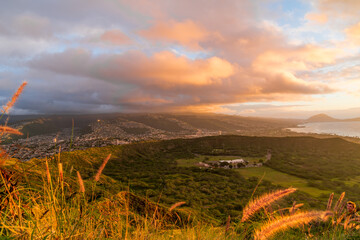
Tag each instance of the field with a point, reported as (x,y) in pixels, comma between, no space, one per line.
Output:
(264,172)
(282,179)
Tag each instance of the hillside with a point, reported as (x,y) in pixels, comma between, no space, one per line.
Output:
(326,118)
(151,168)
(43,134)
(181,124)
(322,118)
(153,173)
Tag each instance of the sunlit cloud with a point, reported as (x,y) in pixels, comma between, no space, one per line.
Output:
(185,33)
(180,55)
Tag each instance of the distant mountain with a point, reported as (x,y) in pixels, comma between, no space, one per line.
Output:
(326,118)
(322,118)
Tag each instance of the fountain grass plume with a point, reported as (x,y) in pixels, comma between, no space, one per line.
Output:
(14,98)
(81,183)
(9,130)
(175,205)
(283,223)
(263,201)
(101,168)
(331,197)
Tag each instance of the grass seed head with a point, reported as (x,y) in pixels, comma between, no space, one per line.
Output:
(330,201)
(263,201)
(9,130)
(81,183)
(178,204)
(282,223)
(14,98)
(101,168)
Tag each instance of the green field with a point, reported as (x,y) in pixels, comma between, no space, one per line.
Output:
(280,178)
(274,176)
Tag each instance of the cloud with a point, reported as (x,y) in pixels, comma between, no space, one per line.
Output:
(185,33)
(166,81)
(32,25)
(317,17)
(344,9)
(165,55)
(115,37)
(338,14)
(162,70)
(353,33)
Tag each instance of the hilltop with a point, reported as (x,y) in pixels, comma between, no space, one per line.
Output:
(326,118)
(322,118)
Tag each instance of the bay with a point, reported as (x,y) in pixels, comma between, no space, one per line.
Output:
(349,129)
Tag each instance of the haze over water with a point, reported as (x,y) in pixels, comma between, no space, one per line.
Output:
(350,129)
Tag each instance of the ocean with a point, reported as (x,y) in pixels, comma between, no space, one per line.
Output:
(350,129)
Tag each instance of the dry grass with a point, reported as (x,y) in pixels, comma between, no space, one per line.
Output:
(338,204)
(263,201)
(81,183)
(101,168)
(280,224)
(178,204)
(14,98)
(9,130)
(328,207)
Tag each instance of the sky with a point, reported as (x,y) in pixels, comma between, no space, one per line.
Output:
(263,58)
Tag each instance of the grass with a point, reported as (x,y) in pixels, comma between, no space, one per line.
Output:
(274,176)
(48,204)
(282,179)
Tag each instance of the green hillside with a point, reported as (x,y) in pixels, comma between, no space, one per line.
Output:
(162,172)
(151,169)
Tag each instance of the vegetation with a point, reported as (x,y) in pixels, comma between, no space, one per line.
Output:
(139,191)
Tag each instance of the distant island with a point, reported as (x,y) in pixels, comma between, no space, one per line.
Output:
(326,118)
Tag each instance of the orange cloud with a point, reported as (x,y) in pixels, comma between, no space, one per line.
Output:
(294,59)
(337,12)
(317,17)
(164,81)
(115,37)
(353,33)
(166,70)
(185,33)
(343,8)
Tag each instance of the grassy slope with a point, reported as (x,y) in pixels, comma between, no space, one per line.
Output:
(306,157)
(283,179)
(331,164)
(308,163)
(151,169)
